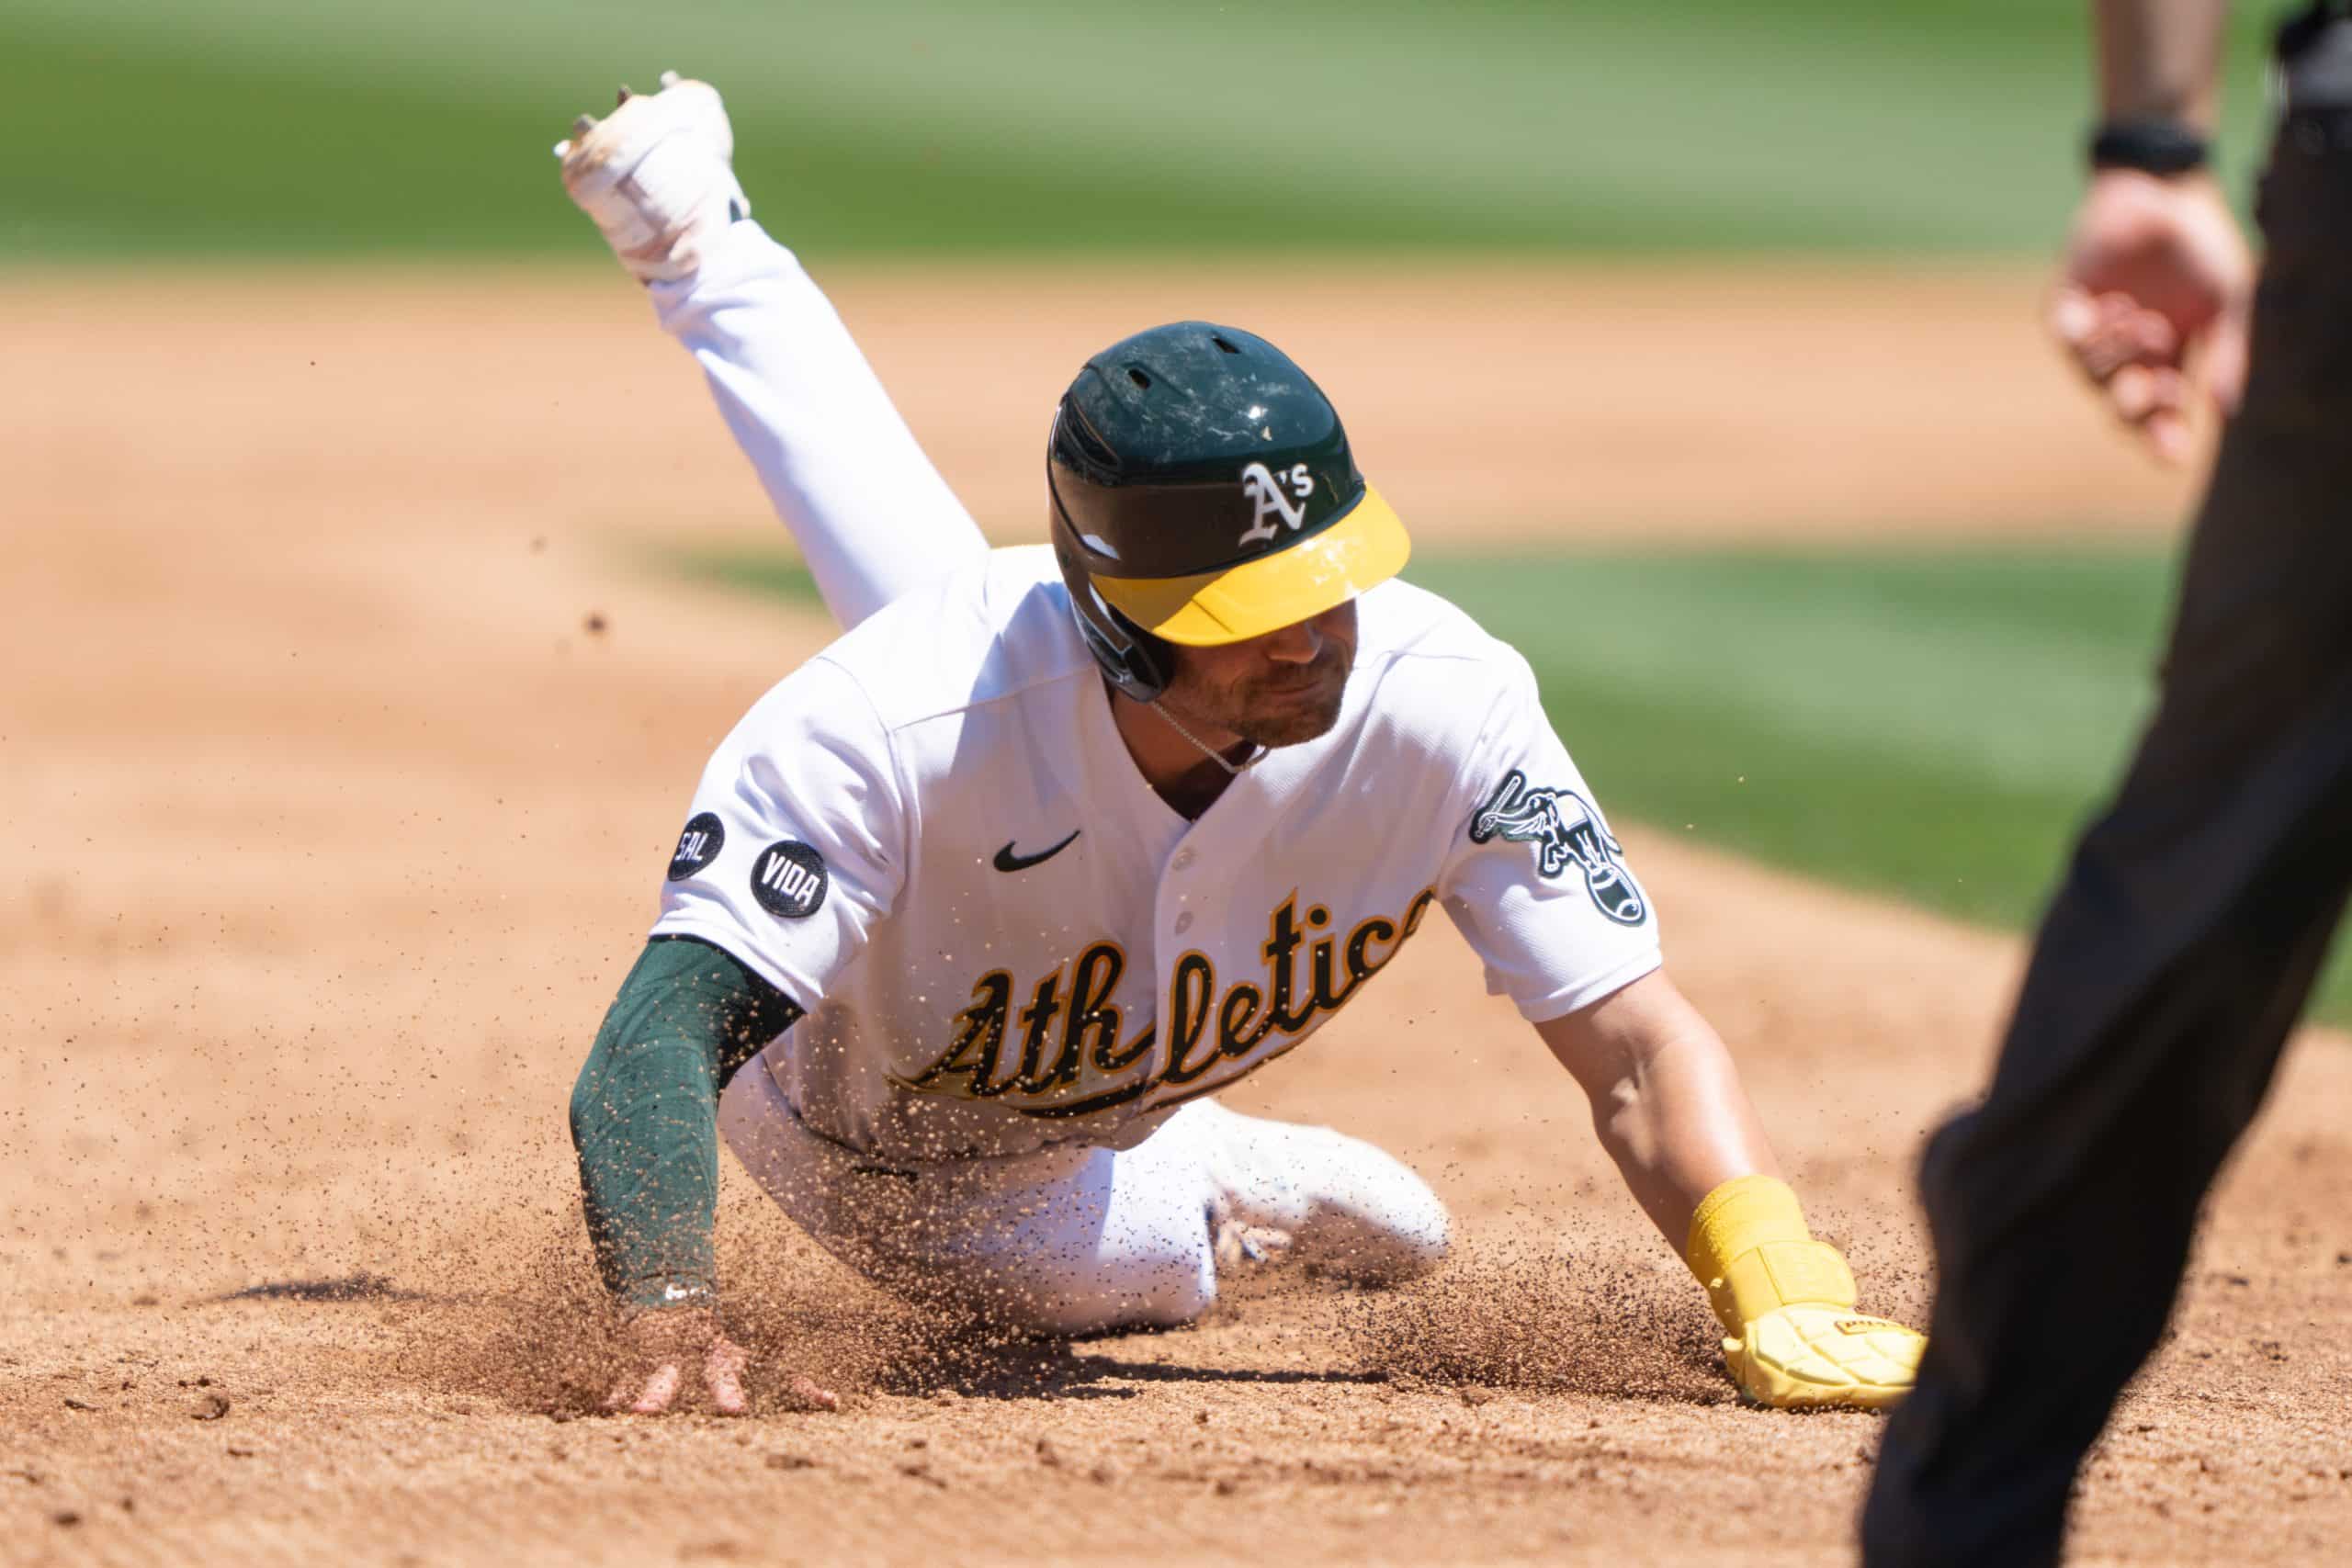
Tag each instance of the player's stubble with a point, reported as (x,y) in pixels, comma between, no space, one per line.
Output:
(1277,690)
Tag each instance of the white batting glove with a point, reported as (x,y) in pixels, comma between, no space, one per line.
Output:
(657,177)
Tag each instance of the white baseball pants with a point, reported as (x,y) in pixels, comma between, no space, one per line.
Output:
(1074,1240)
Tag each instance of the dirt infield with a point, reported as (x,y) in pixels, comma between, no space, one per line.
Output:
(345,726)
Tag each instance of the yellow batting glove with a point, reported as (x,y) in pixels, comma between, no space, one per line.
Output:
(1786,1303)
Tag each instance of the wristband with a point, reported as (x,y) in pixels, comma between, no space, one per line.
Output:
(1749,1246)
(2151,146)
(662,1291)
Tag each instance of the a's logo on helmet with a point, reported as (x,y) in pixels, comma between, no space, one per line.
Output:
(1565,830)
(1265,491)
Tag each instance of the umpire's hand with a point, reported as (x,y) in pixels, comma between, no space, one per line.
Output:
(2155,270)
(666,1346)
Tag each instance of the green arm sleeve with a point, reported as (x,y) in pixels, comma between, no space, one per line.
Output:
(645,1114)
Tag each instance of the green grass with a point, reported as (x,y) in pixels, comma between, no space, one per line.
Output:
(771,576)
(286,128)
(1934,727)
(1931,726)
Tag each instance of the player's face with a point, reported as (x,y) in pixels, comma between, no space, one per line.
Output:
(1278,688)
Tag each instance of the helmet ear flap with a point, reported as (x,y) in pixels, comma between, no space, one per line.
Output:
(1136,662)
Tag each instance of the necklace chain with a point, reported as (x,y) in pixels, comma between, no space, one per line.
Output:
(1232,769)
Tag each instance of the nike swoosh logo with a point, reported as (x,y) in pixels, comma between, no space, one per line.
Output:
(1007,860)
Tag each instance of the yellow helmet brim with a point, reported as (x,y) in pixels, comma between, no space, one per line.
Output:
(1365,549)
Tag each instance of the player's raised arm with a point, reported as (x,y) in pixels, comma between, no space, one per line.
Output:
(869,512)
(1539,886)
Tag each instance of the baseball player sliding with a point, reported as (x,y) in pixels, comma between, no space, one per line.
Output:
(976,911)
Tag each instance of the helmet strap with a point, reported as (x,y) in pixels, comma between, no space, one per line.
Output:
(1233,770)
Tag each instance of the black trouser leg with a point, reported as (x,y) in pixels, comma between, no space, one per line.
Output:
(2062,1212)
(2171,966)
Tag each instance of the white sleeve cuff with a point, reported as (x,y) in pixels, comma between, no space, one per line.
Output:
(1584,993)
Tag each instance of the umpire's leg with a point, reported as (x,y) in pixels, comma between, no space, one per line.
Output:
(2172,963)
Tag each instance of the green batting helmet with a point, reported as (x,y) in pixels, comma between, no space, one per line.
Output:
(1204,492)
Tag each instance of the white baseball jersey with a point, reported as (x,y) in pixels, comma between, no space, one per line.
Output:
(932,837)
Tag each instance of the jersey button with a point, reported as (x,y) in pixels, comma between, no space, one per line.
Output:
(1183,858)
(1184,922)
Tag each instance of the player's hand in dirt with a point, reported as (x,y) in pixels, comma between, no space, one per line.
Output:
(687,1351)
(1792,1336)
(2156,273)
(1813,1354)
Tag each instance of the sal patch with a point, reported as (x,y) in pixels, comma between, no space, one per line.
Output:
(1566,831)
(698,845)
(789,880)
